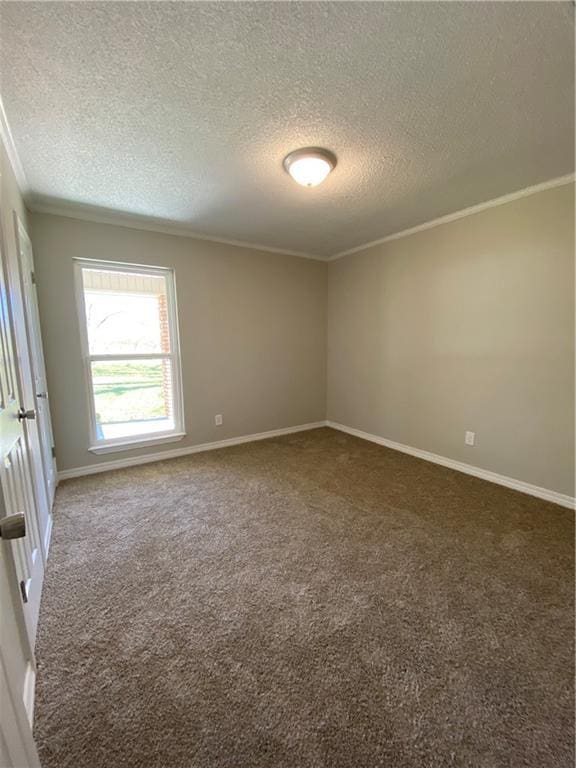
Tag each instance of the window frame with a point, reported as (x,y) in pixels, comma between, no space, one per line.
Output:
(135,441)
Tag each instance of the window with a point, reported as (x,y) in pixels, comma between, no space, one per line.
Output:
(130,342)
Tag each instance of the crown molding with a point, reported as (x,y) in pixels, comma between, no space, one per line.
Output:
(550,184)
(163,226)
(107,216)
(147,223)
(12,152)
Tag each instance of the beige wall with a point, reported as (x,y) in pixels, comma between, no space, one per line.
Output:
(252,332)
(465,326)
(468,325)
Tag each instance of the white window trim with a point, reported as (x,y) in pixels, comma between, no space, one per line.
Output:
(136,441)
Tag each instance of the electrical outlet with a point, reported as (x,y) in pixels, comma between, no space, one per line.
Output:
(218,419)
(469,438)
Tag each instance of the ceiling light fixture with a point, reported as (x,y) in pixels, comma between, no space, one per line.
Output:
(309,166)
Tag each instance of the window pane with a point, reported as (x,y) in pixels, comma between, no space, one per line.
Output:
(125,312)
(132,398)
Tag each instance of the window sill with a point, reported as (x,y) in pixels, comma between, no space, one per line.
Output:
(129,445)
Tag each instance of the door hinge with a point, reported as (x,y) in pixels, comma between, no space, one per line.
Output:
(23,591)
(53,452)
(33,276)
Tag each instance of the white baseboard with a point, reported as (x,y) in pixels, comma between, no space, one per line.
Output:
(29,691)
(484,474)
(48,535)
(468,469)
(149,458)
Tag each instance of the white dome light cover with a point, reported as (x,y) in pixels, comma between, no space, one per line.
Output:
(309,166)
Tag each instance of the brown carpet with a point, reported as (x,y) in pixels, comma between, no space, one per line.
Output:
(309,601)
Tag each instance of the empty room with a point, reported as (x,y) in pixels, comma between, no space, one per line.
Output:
(287,384)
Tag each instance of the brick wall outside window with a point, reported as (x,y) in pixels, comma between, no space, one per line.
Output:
(165,347)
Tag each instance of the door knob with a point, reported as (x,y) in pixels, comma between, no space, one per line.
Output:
(24,414)
(13,526)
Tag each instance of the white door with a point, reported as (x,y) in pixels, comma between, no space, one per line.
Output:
(21,562)
(35,397)
(38,368)
(17,748)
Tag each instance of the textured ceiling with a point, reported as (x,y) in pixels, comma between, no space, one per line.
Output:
(184,111)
